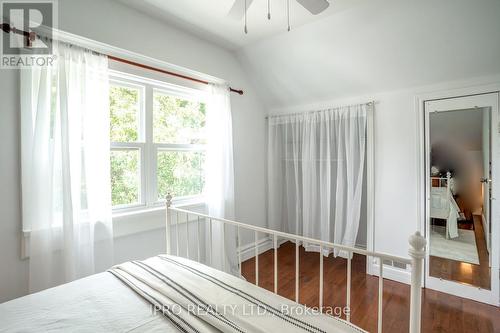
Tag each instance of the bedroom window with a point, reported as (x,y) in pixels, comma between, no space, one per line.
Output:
(179,136)
(127,143)
(157,143)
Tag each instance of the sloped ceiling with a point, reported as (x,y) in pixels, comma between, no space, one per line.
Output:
(356,47)
(376,46)
(209,18)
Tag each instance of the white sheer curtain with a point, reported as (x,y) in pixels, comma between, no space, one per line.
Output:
(219,187)
(315,173)
(66,193)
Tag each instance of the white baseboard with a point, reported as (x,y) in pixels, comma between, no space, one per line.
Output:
(392,273)
(248,251)
(265,244)
(361,246)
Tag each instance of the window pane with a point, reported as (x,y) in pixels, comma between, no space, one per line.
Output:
(180,173)
(125,176)
(124,108)
(177,120)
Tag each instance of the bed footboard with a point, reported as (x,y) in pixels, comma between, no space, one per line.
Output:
(416,252)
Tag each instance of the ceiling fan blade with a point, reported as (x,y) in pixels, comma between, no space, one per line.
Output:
(314,6)
(238,9)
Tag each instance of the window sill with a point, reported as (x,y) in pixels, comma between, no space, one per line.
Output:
(152,218)
(135,221)
(188,202)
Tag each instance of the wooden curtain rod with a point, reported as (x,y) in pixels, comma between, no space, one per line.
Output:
(159,70)
(31,36)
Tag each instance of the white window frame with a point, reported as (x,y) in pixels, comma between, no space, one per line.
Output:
(140,144)
(148,191)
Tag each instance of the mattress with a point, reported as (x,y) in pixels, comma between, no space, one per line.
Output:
(105,302)
(98,303)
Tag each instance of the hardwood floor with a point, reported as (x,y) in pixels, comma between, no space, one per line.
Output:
(440,312)
(477,275)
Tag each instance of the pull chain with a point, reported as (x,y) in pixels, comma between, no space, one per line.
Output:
(288,13)
(268,9)
(246,29)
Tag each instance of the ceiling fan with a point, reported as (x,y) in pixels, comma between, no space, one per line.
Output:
(240,8)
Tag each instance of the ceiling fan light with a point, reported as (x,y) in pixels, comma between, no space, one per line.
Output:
(246,9)
(288,14)
(236,11)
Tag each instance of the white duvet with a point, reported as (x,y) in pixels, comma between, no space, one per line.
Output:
(162,294)
(444,206)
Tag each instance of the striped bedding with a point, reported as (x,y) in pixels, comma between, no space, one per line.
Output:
(196,298)
(161,294)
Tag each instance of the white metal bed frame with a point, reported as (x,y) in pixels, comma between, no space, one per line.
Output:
(416,253)
(447,182)
(441,179)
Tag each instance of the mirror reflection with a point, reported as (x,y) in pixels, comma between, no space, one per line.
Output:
(459,198)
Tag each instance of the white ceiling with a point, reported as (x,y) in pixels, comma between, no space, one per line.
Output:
(209,18)
(354,48)
(377,46)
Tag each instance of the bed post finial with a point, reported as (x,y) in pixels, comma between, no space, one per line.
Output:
(417,245)
(417,254)
(168,203)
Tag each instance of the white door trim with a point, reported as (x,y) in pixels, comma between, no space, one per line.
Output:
(493,296)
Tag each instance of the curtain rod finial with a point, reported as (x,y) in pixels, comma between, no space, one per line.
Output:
(239,92)
(5,27)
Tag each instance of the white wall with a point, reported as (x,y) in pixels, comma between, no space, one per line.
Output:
(112,23)
(13,272)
